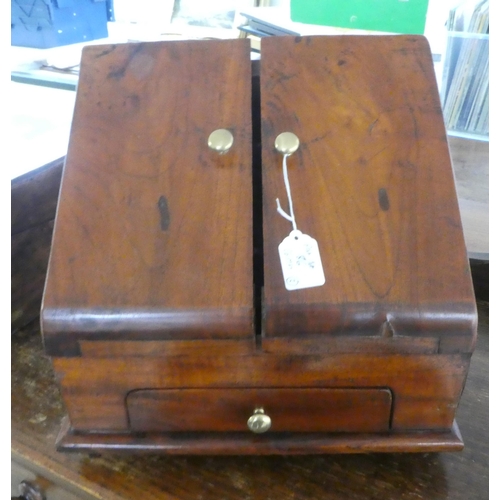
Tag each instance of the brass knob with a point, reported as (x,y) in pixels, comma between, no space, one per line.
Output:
(220,140)
(259,422)
(287,143)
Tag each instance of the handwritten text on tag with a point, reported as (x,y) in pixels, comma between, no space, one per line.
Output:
(300,261)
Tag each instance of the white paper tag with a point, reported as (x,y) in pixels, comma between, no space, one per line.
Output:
(300,261)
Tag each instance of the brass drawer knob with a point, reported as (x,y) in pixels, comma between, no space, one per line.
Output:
(259,422)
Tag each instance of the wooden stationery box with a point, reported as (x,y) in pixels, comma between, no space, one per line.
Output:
(165,308)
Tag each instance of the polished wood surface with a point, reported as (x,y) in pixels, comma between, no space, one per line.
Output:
(425,378)
(372,182)
(33,209)
(427,388)
(37,413)
(149,249)
(154,229)
(34,196)
(238,443)
(291,410)
(161,348)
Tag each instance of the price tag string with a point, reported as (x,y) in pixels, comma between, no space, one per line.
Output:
(299,253)
(290,217)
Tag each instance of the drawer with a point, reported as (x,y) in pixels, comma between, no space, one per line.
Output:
(290,410)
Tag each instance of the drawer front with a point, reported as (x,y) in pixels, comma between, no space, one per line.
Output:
(290,410)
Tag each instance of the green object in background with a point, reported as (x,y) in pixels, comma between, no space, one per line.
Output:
(395,16)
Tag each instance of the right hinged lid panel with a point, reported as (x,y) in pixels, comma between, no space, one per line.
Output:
(371,182)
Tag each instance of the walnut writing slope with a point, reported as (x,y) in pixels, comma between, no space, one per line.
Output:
(165,310)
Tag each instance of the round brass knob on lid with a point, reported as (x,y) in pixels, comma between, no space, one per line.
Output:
(220,140)
(287,143)
(259,422)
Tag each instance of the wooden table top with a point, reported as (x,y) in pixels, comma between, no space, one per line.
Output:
(37,412)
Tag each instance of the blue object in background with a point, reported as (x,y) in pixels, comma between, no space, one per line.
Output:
(51,23)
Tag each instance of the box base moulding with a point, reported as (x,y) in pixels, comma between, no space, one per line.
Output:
(198,443)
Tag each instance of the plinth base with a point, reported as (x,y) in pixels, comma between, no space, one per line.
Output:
(247,444)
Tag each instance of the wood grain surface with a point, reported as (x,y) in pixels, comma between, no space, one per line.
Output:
(34,196)
(244,443)
(154,229)
(109,275)
(427,387)
(138,255)
(37,412)
(291,410)
(372,182)
(33,209)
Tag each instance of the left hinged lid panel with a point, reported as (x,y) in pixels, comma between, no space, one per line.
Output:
(153,233)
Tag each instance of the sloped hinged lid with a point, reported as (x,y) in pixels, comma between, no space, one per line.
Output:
(372,182)
(153,236)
